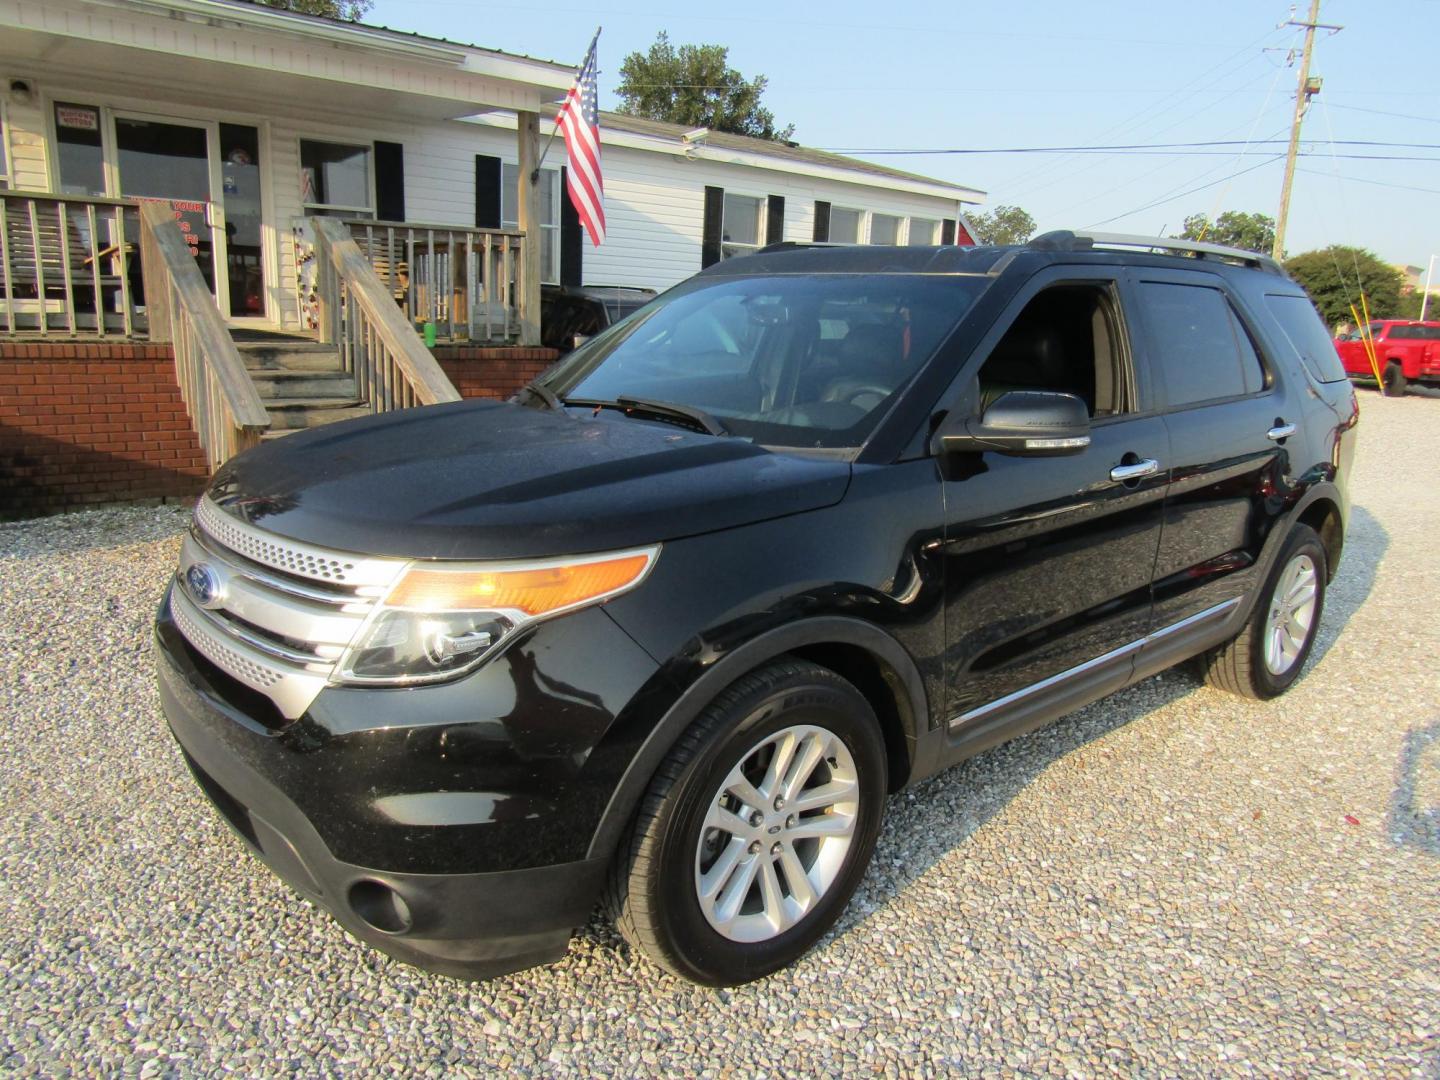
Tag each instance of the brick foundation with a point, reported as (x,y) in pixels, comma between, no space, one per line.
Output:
(92,423)
(479,371)
(103,422)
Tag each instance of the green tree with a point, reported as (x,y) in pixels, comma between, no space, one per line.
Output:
(695,86)
(1335,276)
(348,10)
(1003,225)
(1253,232)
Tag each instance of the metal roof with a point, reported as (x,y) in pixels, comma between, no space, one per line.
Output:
(300,18)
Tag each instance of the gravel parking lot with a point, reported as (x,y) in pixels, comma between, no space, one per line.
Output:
(1171,882)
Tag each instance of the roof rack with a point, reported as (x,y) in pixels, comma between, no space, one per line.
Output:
(1064,240)
(795,245)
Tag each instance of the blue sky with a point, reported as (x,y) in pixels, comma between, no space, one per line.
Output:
(916,74)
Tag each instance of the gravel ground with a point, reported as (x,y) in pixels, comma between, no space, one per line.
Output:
(1171,882)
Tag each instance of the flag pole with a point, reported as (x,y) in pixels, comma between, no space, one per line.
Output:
(555,125)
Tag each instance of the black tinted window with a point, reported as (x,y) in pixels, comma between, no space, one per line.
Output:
(1198,344)
(1303,326)
(1423,333)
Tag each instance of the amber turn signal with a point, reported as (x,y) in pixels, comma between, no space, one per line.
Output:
(533,590)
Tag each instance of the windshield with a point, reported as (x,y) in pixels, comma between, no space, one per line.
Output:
(802,361)
(1374,330)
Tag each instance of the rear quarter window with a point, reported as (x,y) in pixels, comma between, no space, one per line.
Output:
(1307,334)
(1203,352)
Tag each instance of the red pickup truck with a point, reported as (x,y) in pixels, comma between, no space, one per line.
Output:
(1405,352)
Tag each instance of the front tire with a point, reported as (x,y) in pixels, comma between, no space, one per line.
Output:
(756,829)
(1265,659)
(1394,382)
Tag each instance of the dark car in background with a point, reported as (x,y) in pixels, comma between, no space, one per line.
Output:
(571,313)
(809,528)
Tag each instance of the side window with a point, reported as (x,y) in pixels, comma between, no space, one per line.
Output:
(1252,368)
(1306,332)
(1068,338)
(844,225)
(79,149)
(1196,343)
(335,179)
(740,228)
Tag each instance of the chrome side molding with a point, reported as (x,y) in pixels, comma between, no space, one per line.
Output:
(1090,665)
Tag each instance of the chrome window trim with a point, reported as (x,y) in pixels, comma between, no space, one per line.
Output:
(1090,665)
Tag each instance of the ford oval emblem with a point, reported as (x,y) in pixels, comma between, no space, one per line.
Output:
(205,586)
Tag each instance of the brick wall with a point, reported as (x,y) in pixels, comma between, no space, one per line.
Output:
(479,371)
(103,421)
(92,423)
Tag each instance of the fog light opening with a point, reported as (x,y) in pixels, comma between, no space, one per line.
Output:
(381,907)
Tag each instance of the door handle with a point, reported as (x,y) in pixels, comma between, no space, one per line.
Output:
(1281,431)
(1144,467)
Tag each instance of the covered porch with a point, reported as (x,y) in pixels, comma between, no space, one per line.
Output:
(247,124)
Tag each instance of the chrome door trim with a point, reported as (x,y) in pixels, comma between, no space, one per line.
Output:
(1281,431)
(1091,665)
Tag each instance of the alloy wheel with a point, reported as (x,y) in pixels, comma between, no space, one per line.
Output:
(776,834)
(1292,614)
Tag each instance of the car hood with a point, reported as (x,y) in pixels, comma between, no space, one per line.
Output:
(490,480)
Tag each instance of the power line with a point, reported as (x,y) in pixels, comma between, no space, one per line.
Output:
(1114,148)
(1218,74)
(1191,191)
(1376,183)
(1382,112)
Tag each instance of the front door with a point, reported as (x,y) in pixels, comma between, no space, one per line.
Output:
(171,161)
(1049,561)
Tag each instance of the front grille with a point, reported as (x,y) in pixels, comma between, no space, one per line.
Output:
(275,552)
(220,654)
(285,610)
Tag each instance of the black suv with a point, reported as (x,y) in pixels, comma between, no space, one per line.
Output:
(809,527)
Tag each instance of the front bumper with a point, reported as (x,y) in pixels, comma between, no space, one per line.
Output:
(430,823)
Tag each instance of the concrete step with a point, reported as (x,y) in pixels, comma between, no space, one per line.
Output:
(283,385)
(265,356)
(304,412)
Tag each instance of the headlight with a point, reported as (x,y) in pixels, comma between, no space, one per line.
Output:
(439,620)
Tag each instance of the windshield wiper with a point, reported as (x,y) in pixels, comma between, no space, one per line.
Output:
(660,410)
(539,390)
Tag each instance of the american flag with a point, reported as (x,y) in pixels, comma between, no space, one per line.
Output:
(579,119)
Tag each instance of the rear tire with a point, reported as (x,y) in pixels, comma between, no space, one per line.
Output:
(722,888)
(1394,382)
(1266,657)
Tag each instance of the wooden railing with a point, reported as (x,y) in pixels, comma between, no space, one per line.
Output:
(221,398)
(392,367)
(68,265)
(465,281)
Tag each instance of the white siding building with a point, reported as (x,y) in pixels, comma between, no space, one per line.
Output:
(659,176)
(248,119)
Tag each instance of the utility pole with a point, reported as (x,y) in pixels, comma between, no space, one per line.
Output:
(1429,280)
(1303,93)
